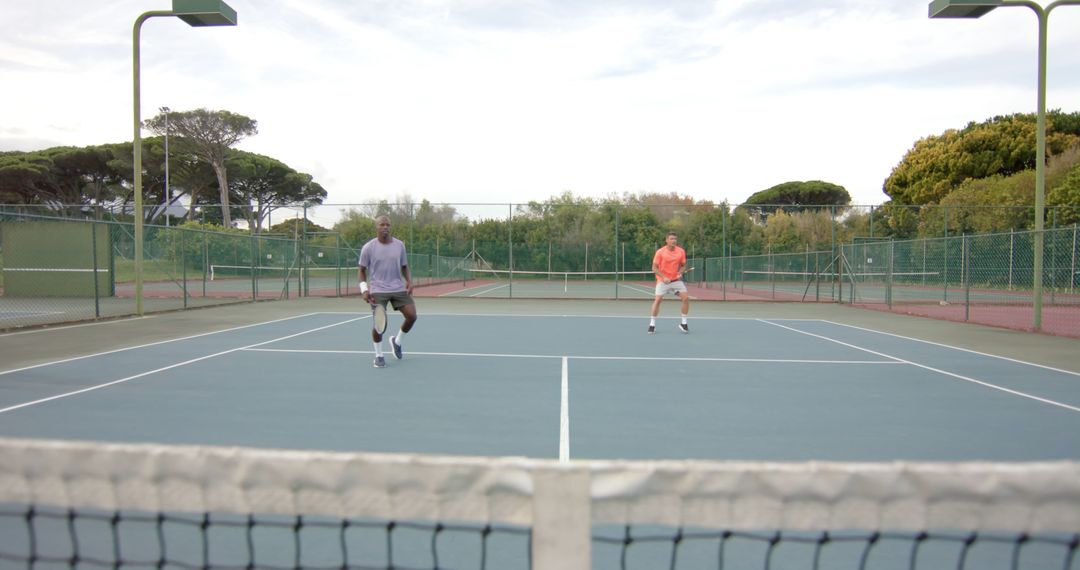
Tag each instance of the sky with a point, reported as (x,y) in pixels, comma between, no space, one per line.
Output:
(510,101)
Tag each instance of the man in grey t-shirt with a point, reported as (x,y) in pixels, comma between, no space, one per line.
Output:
(384,278)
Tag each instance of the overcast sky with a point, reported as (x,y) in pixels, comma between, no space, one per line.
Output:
(517,100)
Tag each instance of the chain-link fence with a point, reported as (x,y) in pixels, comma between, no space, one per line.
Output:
(820,256)
(986,278)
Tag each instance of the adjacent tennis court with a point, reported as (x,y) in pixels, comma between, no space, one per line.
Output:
(561,381)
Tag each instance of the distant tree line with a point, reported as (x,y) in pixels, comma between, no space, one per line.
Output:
(991,163)
(204,172)
(978,179)
(618,232)
(973,180)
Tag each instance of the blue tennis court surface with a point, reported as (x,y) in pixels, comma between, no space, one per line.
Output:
(586,386)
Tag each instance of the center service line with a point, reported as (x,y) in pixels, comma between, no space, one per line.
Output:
(564,415)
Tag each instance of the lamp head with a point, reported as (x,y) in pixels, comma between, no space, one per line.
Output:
(200,13)
(962,8)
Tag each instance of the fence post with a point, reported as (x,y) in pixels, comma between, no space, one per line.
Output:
(889,274)
(772,274)
(1072,266)
(510,253)
(206,260)
(255,270)
(304,287)
(945,270)
(94,273)
(965,268)
(817,276)
(724,252)
(924,262)
(1012,240)
(183,263)
(1053,258)
(616,256)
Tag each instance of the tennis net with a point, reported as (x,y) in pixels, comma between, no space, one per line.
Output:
(547,284)
(87,505)
(219,272)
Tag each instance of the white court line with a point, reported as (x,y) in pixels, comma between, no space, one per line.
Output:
(652,292)
(564,414)
(411,353)
(639,289)
(968,350)
(150,344)
(495,288)
(169,367)
(483,290)
(932,369)
(588,357)
(577,316)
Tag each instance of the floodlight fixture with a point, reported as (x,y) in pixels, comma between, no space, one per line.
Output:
(962,8)
(200,13)
(197,13)
(974,9)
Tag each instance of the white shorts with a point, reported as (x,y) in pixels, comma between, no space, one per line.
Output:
(673,287)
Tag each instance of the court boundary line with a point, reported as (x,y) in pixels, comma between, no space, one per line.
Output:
(645,316)
(459,293)
(960,348)
(485,289)
(564,413)
(116,350)
(586,357)
(164,368)
(937,370)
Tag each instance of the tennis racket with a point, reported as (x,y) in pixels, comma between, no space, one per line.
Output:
(378,318)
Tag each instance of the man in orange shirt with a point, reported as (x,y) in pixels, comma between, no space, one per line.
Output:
(668,264)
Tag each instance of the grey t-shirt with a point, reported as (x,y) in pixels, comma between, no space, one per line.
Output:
(384,262)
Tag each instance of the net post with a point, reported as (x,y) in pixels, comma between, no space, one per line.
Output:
(562,515)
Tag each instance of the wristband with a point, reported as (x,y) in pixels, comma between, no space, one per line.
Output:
(363,287)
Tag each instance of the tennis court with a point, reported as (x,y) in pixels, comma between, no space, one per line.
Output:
(561,382)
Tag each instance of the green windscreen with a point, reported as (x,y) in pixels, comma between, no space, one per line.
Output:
(57,259)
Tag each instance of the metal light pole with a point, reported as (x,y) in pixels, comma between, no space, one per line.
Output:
(975,9)
(196,13)
(168,193)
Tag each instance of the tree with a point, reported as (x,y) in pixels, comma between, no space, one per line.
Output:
(208,135)
(1004,146)
(1063,183)
(294,227)
(21,176)
(59,176)
(781,233)
(266,184)
(796,196)
(355,227)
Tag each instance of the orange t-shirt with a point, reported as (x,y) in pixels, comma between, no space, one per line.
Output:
(669,261)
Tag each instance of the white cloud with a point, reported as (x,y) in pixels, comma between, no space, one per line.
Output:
(498,101)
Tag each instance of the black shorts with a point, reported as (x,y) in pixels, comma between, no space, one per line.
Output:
(397,299)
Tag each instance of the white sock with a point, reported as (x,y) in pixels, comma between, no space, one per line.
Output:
(684,319)
(400,337)
(652,321)
(378,348)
